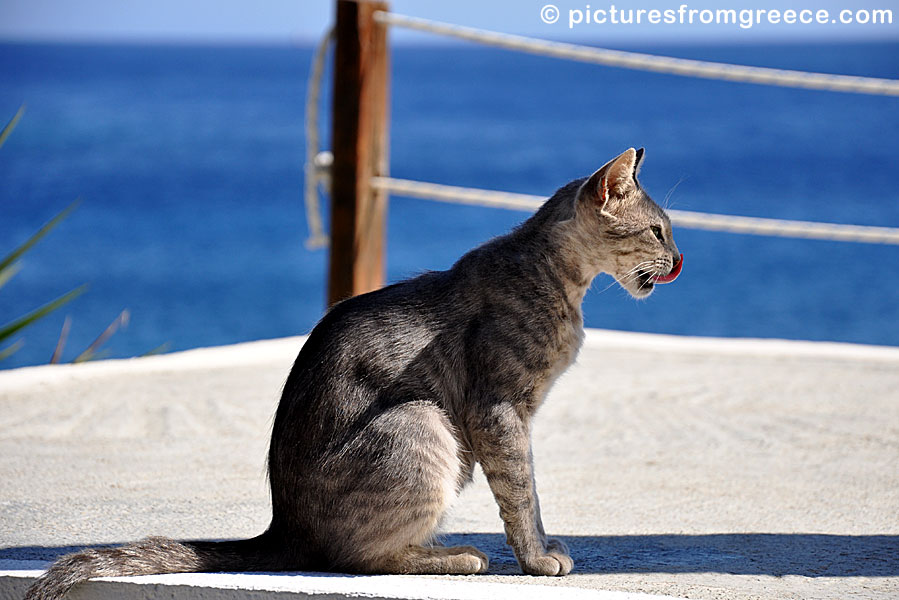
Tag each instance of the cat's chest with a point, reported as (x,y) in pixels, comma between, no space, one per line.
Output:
(561,355)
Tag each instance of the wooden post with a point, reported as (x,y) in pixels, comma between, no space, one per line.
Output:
(359,145)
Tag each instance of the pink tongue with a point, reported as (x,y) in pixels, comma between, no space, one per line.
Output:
(672,275)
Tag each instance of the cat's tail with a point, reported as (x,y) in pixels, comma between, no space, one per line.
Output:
(158,555)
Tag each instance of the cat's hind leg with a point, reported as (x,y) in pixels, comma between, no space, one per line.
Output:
(437,560)
(392,485)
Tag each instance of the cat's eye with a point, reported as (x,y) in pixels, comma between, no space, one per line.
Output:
(657,231)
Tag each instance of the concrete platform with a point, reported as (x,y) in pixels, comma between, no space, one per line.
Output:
(686,467)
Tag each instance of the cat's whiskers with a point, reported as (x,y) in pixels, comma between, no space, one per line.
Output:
(640,266)
(633,273)
(671,191)
(606,289)
(639,269)
(627,279)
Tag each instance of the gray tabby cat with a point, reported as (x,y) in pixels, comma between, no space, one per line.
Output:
(398,393)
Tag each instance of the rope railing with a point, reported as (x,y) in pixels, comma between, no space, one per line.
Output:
(681,218)
(649,62)
(318,163)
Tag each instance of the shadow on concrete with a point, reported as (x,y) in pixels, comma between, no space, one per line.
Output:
(805,554)
(775,554)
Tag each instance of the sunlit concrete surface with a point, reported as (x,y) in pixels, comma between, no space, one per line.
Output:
(694,468)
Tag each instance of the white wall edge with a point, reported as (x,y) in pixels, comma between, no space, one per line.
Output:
(195,586)
(604,338)
(283,351)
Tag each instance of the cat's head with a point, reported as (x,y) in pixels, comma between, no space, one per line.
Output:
(633,232)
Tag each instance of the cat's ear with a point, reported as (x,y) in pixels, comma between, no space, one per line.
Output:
(614,180)
(639,162)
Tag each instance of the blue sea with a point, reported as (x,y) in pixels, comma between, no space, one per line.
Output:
(188,163)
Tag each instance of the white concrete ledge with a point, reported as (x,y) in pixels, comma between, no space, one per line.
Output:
(243,586)
(247,354)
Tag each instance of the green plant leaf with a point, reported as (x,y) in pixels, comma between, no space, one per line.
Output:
(61,342)
(91,352)
(88,356)
(10,350)
(22,322)
(24,247)
(160,349)
(12,124)
(8,273)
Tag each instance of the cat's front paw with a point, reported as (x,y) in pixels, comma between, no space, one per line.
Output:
(555,562)
(559,550)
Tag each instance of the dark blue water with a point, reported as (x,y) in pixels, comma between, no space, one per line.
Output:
(188,162)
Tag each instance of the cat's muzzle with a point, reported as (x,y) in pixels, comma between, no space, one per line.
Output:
(672,275)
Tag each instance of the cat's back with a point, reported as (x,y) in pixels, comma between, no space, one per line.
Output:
(391,323)
(366,344)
